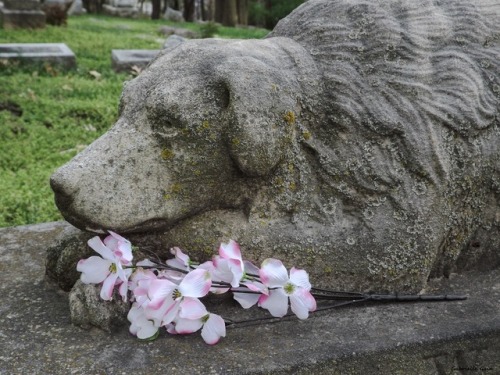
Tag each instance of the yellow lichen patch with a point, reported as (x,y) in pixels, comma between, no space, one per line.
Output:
(306,134)
(197,172)
(205,124)
(167,154)
(289,117)
(292,186)
(173,189)
(176,188)
(235,141)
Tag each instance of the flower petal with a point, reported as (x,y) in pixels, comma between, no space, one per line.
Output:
(148,330)
(231,250)
(221,270)
(94,269)
(160,290)
(236,268)
(255,286)
(302,302)
(120,246)
(186,326)
(195,284)
(98,246)
(250,268)
(145,263)
(192,308)
(213,329)
(246,300)
(172,312)
(273,273)
(276,302)
(300,278)
(108,286)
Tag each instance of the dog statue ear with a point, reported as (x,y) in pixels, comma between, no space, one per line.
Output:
(260,114)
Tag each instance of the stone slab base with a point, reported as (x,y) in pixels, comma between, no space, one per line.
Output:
(21,19)
(22,5)
(122,60)
(130,12)
(36,335)
(56,54)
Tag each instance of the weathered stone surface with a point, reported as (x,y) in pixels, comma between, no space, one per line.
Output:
(173,15)
(359,140)
(88,310)
(122,11)
(37,336)
(173,41)
(22,4)
(77,8)
(184,33)
(122,60)
(21,19)
(56,54)
(123,3)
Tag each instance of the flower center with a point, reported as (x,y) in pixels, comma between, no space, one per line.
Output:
(176,294)
(204,319)
(289,288)
(112,268)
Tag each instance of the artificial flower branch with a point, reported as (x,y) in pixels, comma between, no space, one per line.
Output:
(167,294)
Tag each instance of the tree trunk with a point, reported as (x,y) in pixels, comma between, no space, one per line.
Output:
(155,14)
(243,12)
(189,10)
(230,13)
(269,18)
(219,11)
(203,10)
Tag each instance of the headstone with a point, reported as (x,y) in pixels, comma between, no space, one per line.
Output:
(173,15)
(21,14)
(173,41)
(185,33)
(77,8)
(56,54)
(121,8)
(124,60)
(359,141)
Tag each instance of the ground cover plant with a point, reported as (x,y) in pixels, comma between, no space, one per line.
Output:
(47,116)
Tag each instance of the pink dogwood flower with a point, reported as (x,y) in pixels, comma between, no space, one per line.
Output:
(212,327)
(107,270)
(167,299)
(121,247)
(228,264)
(282,287)
(142,326)
(181,260)
(254,288)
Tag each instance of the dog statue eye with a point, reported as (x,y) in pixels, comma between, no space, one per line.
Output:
(165,129)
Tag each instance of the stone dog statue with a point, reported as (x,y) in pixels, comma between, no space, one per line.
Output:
(359,140)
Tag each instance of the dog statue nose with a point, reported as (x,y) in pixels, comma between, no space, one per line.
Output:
(63,189)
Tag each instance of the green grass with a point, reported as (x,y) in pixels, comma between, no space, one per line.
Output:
(62,112)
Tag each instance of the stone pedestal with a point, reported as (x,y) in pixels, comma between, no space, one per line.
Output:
(24,14)
(461,337)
